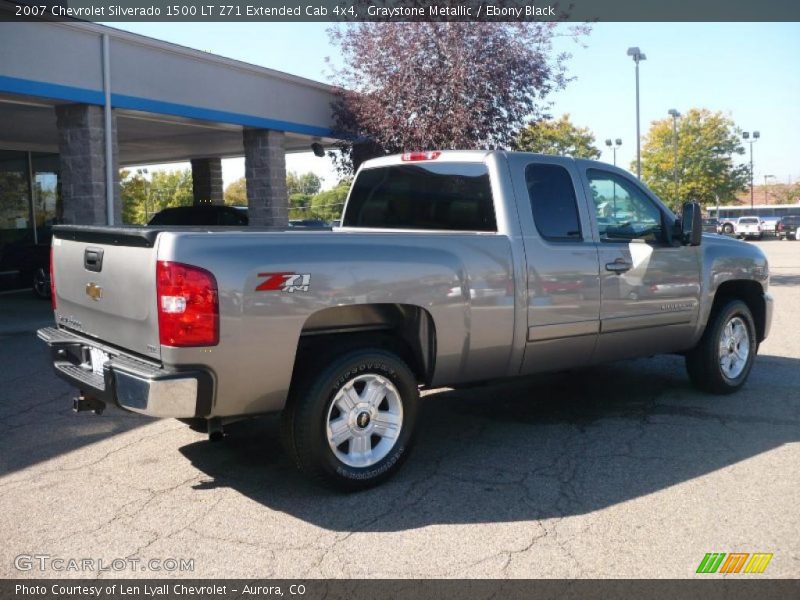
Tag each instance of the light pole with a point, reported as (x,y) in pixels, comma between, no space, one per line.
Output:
(637,56)
(746,137)
(766,199)
(675,114)
(616,144)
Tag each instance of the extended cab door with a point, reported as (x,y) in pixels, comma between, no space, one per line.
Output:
(650,286)
(563,286)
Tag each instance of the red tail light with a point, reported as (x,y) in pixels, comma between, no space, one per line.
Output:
(53,300)
(188,306)
(411,156)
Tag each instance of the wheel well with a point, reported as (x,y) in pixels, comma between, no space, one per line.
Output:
(404,329)
(751,293)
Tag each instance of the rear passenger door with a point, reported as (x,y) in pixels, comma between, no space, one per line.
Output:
(650,286)
(563,287)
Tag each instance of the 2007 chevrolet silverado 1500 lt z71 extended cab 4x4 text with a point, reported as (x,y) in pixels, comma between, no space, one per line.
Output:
(449,267)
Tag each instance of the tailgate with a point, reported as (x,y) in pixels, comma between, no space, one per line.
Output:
(105,281)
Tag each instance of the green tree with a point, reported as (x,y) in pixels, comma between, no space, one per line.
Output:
(707,144)
(236,193)
(142,197)
(560,137)
(308,183)
(299,206)
(328,205)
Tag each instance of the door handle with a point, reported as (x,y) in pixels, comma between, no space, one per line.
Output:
(619,266)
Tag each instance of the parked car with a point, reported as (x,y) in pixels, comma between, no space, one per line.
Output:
(24,264)
(749,227)
(308,224)
(449,268)
(203,215)
(711,226)
(788,228)
(727,225)
(769,225)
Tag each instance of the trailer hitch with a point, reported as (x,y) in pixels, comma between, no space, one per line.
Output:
(87,403)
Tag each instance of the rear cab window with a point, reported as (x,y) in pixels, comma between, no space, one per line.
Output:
(423,195)
(553,202)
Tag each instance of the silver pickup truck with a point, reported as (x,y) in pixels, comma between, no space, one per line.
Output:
(448,268)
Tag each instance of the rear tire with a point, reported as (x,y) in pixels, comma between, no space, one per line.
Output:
(722,360)
(727,228)
(350,424)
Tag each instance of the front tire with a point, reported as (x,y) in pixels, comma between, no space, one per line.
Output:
(350,425)
(722,360)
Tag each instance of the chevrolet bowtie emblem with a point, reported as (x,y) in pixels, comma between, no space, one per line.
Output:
(94,291)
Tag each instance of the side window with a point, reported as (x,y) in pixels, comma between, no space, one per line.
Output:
(553,202)
(623,211)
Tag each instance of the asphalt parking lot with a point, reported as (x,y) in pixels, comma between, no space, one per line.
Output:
(621,471)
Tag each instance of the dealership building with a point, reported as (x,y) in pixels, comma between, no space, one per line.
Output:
(80,101)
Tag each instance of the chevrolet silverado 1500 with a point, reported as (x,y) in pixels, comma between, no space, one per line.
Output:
(448,268)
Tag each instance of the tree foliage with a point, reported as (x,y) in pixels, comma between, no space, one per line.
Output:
(557,136)
(707,144)
(236,193)
(142,197)
(442,85)
(328,205)
(299,206)
(787,194)
(307,183)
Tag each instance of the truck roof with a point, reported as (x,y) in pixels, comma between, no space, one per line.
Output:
(470,156)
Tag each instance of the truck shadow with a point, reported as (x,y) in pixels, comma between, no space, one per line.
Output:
(532,448)
(36,418)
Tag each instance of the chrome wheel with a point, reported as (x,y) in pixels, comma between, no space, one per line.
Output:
(734,348)
(364,420)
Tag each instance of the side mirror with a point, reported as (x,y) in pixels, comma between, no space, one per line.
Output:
(691,224)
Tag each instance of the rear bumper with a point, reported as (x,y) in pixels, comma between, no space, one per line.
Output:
(769,306)
(129,382)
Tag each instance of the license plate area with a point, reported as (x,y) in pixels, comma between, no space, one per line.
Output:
(97,358)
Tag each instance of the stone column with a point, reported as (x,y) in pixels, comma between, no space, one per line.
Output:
(81,146)
(207,181)
(265,173)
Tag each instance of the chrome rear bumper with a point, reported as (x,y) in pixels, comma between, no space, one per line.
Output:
(129,382)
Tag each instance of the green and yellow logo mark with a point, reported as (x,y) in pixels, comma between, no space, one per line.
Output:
(735,562)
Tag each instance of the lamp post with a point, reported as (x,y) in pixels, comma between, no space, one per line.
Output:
(637,56)
(766,199)
(751,141)
(675,114)
(616,144)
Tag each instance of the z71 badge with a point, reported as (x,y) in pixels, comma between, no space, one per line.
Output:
(284,282)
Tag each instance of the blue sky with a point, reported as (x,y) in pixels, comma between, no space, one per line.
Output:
(747,70)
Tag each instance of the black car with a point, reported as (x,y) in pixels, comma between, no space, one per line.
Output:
(204,215)
(26,265)
(308,224)
(787,227)
(710,225)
